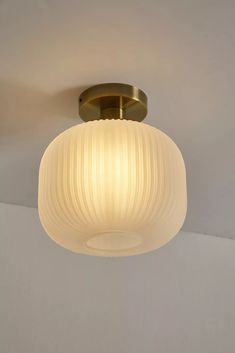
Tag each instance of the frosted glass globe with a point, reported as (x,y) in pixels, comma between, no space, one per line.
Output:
(112,188)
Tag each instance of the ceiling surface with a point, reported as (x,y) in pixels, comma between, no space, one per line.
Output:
(181,53)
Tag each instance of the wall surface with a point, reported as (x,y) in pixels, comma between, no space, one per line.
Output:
(179,299)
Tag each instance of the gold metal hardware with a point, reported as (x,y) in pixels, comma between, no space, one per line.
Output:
(113,101)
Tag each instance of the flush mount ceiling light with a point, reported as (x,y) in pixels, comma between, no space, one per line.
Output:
(112,186)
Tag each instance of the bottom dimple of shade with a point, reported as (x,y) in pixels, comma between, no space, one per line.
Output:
(114,241)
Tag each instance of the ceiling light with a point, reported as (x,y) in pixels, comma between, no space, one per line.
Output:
(112,186)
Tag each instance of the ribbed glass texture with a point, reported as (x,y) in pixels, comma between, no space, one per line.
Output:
(112,188)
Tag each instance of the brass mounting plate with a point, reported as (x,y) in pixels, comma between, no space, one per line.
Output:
(113,101)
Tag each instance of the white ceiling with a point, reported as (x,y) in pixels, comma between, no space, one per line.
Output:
(181,53)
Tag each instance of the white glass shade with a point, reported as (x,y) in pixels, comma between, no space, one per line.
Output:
(112,188)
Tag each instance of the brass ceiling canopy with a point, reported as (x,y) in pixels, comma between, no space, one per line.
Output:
(113,101)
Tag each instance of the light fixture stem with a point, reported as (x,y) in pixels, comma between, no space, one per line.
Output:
(112,107)
(121,107)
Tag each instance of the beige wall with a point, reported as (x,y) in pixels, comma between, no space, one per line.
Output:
(179,299)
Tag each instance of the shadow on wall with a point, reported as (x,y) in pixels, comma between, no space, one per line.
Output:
(25,109)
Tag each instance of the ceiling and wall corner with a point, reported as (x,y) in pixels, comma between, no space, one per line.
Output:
(181,53)
(175,51)
(178,299)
